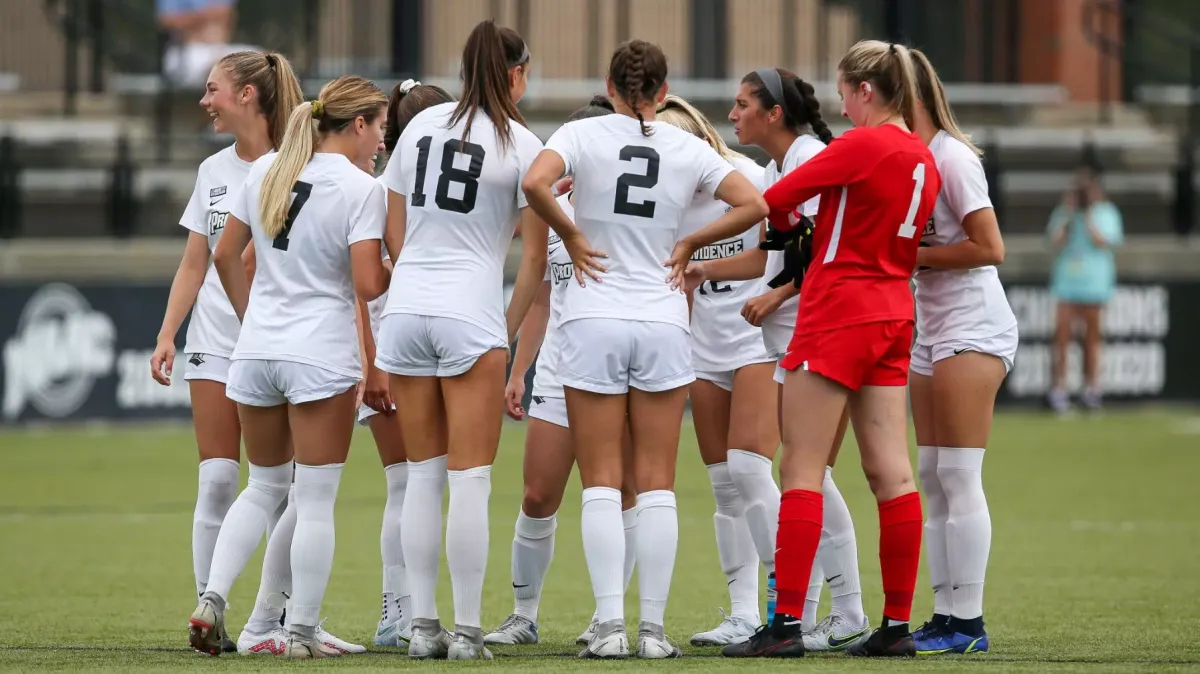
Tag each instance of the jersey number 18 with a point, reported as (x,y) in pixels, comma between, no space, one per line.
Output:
(468,177)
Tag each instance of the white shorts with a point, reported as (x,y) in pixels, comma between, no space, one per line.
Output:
(724,378)
(779,374)
(267,383)
(430,346)
(1003,346)
(206,366)
(365,413)
(549,410)
(610,355)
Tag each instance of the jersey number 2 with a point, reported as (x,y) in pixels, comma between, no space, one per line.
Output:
(468,177)
(621,203)
(907,229)
(303,191)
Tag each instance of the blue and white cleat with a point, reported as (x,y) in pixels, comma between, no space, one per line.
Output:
(935,625)
(951,643)
(394,634)
(513,631)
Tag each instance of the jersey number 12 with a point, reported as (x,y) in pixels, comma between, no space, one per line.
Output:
(468,177)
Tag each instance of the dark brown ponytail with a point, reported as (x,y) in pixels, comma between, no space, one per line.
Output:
(489,53)
(404,103)
(637,70)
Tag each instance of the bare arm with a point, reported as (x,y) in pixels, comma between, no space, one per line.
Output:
(371,278)
(531,272)
(747,209)
(533,332)
(539,192)
(184,288)
(983,246)
(227,258)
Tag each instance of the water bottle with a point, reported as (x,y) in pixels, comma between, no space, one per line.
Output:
(770,598)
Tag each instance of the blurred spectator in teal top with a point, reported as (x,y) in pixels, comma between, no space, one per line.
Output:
(1084,229)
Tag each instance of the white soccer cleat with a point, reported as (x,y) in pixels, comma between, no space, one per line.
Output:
(515,630)
(393,635)
(272,642)
(652,643)
(835,633)
(429,640)
(608,643)
(341,645)
(588,634)
(732,630)
(467,644)
(205,627)
(308,648)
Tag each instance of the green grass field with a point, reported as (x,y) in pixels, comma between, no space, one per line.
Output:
(1094,561)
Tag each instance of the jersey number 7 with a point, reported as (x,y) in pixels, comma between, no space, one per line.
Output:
(303,191)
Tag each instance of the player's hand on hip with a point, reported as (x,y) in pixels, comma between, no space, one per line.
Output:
(694,276)
(162,362)
(681,257)
(585,258)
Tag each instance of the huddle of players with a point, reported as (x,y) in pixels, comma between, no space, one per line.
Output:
(652,192)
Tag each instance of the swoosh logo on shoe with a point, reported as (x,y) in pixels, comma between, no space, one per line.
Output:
(517,587)
(837,644)
(971,646)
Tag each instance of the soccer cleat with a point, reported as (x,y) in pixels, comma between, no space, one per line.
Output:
(227,645)
(951,643)
(652,643)
(341,645)
(394,634)
(732,630)
(429,641)
(206,626)
(835,633)
(608,643)
(886,642)
(308,648)
(467,644)
(781,639)
(588,634)
(515,630)
(932,626)
(272,642)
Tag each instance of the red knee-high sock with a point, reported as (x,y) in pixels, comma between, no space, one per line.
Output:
(800,516)
(899,553)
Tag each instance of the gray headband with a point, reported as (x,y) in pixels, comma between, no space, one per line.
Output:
(524,56)
(774,85)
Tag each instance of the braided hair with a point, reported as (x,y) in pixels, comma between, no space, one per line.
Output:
(638,69)
(800,105)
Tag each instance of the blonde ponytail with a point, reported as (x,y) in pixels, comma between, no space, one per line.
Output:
(933,97)
(906,98)
(293,154)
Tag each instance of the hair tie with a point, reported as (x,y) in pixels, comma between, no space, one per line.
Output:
(408,85)
(892,48)
(318,109)
(271,62)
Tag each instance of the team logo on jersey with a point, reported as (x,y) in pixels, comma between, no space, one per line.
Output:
(553,240)
(561,272)
(216,221)
(717,251)
(60,348)
(929,228)
(216,194)
(197,359)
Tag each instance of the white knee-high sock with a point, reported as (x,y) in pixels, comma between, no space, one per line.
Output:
(532,552)
(657,544)
(812,599)
(936,514)
(838,554)
(968,528)
(313,542)
(395,583)
(245,524)
(467,541)
(604,550)
(735,549)
(421,533)
(752,474)
(629,522)
(276,582)
(215,494)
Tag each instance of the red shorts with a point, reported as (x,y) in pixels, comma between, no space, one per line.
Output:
(869,354)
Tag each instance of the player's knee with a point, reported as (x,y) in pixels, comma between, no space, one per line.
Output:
(540,502)
(888,484)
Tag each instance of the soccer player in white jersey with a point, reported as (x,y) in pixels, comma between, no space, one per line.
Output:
(774,109)
(734,396)
(394,629)
(549,455)
(296,364)
(248,95)
(454,200)
(965,346)
(625,343)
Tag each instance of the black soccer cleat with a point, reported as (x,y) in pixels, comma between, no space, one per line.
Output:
(886,642)
(780,639)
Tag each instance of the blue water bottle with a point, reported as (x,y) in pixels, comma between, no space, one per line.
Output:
(770,598)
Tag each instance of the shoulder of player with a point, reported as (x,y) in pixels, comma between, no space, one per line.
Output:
(948,151)
(804,148)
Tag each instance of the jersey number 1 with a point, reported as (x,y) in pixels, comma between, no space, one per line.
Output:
(303,191)
(907,229)
(468,177)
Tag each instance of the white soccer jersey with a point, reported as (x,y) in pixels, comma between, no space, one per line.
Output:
(560,272)
(214,325)
(302,302)
(779,326)
(375,306)
(721,339)
(957,304)
(463,202)
(631,193)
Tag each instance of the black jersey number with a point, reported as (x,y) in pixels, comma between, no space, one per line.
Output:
(303,191)
(716,288)
(621,203)
(468,177)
